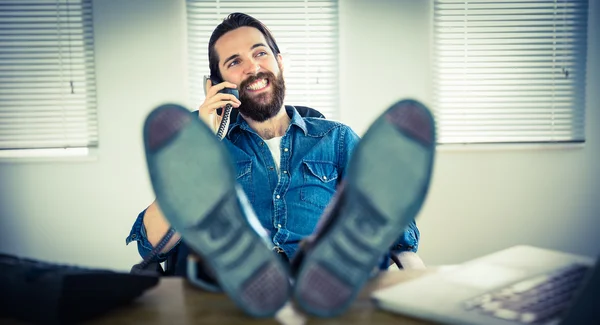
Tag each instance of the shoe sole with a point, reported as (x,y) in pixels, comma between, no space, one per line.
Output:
(378,201)
(193,179)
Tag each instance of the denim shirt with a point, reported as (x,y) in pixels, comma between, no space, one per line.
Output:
(314,155)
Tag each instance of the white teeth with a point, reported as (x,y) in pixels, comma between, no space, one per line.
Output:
(259,84)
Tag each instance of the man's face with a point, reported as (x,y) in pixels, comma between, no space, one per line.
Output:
(246,60)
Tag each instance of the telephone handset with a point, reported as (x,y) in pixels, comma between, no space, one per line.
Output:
(227,109)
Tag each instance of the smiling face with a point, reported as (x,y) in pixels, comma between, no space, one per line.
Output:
(246,60)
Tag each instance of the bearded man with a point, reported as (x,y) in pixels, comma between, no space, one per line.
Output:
(271,179)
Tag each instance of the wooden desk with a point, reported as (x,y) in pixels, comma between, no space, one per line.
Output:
(174,301)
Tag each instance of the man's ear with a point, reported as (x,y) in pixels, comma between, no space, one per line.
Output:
(280,61)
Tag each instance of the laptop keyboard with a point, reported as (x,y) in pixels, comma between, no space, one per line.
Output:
(532,301)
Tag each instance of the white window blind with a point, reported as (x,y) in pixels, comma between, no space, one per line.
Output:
(306,32)
(47,80)
(510,71)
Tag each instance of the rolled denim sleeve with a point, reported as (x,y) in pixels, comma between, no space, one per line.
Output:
(408,241)
(138,234)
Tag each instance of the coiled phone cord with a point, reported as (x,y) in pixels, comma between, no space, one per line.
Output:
(224,122)
(140,268)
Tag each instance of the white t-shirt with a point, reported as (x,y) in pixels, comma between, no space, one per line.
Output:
(274,145)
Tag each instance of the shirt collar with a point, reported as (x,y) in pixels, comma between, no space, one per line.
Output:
(295,118)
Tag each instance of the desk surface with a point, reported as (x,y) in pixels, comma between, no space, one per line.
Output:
(174,301)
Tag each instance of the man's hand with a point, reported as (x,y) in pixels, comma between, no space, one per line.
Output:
(215,100)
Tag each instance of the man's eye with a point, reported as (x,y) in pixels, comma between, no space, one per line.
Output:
(261,53)
(234,62)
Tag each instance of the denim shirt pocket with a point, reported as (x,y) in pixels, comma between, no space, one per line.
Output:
(319,182)
(244,178)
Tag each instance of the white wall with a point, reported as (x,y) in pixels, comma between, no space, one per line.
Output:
(481,200)
(80,212)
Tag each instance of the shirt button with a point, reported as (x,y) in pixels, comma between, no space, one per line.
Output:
(277,196)
(285,149)
(278,225)
(325,177)
(285,171)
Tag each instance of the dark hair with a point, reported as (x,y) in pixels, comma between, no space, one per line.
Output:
(234,21)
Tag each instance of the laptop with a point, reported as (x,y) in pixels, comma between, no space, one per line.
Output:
(518,285)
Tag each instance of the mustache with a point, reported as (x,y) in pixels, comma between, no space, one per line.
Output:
(261,75)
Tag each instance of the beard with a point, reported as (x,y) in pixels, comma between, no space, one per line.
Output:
(263,106)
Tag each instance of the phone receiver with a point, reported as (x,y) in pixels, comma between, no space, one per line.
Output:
(215,81)
(224,112)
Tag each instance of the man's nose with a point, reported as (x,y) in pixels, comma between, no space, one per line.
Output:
(252,67)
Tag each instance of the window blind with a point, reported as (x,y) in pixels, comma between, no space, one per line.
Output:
(306,32)
(510,71)
(47,80)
